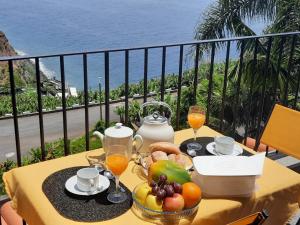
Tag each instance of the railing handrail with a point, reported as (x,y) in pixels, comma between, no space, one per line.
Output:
(7,58)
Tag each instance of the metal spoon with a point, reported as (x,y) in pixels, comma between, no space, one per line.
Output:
(99,168)
(217,153)
(110,176)
(191,152)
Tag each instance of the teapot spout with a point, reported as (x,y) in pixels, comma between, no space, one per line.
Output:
(98,134)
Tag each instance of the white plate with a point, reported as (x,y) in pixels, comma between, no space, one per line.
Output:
(71,186)
(237,150)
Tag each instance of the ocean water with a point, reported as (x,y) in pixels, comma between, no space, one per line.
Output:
(37,27)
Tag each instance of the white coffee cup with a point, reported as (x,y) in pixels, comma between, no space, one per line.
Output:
(224,145)
(87,179)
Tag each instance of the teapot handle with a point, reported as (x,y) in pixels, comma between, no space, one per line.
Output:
(135,139)
(156,103)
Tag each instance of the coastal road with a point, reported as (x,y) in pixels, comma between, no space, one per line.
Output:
(53,127)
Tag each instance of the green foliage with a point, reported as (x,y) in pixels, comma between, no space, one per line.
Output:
(228,18)
(120,111)
(100,126)
(27,101)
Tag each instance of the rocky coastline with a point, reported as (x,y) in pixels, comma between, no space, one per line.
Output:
(24,70)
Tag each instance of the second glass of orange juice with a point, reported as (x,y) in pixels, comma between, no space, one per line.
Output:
(196,119)
(117,161)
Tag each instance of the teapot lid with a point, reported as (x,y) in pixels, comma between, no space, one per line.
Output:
(155,118)
(118,131)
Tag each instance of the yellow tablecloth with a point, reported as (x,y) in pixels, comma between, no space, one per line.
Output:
(278,192)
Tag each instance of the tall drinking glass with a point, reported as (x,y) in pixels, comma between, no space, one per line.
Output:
(116,162)
(196,119)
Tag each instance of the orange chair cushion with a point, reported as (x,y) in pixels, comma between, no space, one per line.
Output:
(248,220)
(283,131)
(9,216)
(250,143)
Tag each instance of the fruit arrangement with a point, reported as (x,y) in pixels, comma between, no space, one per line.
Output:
(166,151)
(173,171)
(166,194)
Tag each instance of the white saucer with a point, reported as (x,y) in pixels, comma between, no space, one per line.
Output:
(237,150)
(71,186)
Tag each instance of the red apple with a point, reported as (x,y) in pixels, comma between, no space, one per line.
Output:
(174,203)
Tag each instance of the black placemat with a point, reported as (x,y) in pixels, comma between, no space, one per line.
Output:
(204,141)
(82,208)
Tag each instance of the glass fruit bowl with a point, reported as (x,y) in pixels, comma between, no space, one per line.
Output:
(156,215)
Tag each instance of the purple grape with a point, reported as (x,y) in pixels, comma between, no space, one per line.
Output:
(153,183)
(164,186)
(177,187)
(169,190)
(162,178)
(161,194)
(160,183)
(155,189)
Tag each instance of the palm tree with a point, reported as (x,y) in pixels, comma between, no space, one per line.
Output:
(229,18)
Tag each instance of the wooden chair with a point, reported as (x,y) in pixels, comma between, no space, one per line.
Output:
(253,219)
(282,131)
(251,142)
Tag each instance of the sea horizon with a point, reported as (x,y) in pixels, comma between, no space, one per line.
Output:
(39,28)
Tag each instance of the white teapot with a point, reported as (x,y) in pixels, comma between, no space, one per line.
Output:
(155,127)
(120,135)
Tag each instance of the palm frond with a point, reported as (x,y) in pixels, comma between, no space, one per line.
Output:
(227,18)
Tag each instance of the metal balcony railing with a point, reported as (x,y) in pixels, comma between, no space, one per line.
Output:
(262,47)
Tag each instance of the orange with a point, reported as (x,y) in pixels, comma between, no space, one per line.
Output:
(191,193)
(116,163)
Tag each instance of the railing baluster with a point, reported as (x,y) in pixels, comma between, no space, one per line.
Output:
(298,83)
(237,94)
(106,71)
(163,70)
(126,85)
(262,101)
(281,45)
(40,107)
(297,91)
(15,111)
(224,85)
(179,87)
(290,64)
(250,96)
(210,84)
(145,74)
(64,105)
(86,102)
(196,73)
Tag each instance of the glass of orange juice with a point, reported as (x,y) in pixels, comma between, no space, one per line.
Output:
(196,119)
(116,162)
